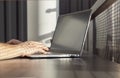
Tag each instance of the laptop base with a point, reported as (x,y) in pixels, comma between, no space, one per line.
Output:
(55,56)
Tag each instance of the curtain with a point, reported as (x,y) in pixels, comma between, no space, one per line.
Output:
(68,6)
(13,20)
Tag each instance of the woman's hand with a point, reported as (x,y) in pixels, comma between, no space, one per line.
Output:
(32,47)
(29,47)
(14,42)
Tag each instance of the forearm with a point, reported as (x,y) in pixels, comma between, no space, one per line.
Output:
(8,51)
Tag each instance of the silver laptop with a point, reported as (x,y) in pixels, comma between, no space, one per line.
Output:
(69,36)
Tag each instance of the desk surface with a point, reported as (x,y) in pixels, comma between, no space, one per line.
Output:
(87,67)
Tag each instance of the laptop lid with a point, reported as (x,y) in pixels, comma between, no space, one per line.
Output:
(70,33)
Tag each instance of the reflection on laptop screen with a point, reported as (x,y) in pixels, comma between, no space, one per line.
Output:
(70,31)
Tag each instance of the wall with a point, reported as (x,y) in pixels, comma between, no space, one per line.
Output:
(32,17)
(42,17)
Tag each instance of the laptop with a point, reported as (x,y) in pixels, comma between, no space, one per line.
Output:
(69,36)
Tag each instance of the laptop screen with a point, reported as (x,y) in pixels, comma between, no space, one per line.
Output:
(70,31)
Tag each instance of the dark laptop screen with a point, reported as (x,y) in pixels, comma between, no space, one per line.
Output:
(70,31)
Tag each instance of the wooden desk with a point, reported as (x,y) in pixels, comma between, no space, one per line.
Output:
(87,67)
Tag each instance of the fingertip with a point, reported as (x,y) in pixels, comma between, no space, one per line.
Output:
(44,52)
(47,49)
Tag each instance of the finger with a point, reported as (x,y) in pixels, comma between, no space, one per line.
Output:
(41,46)
(42,51)
(44,48)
